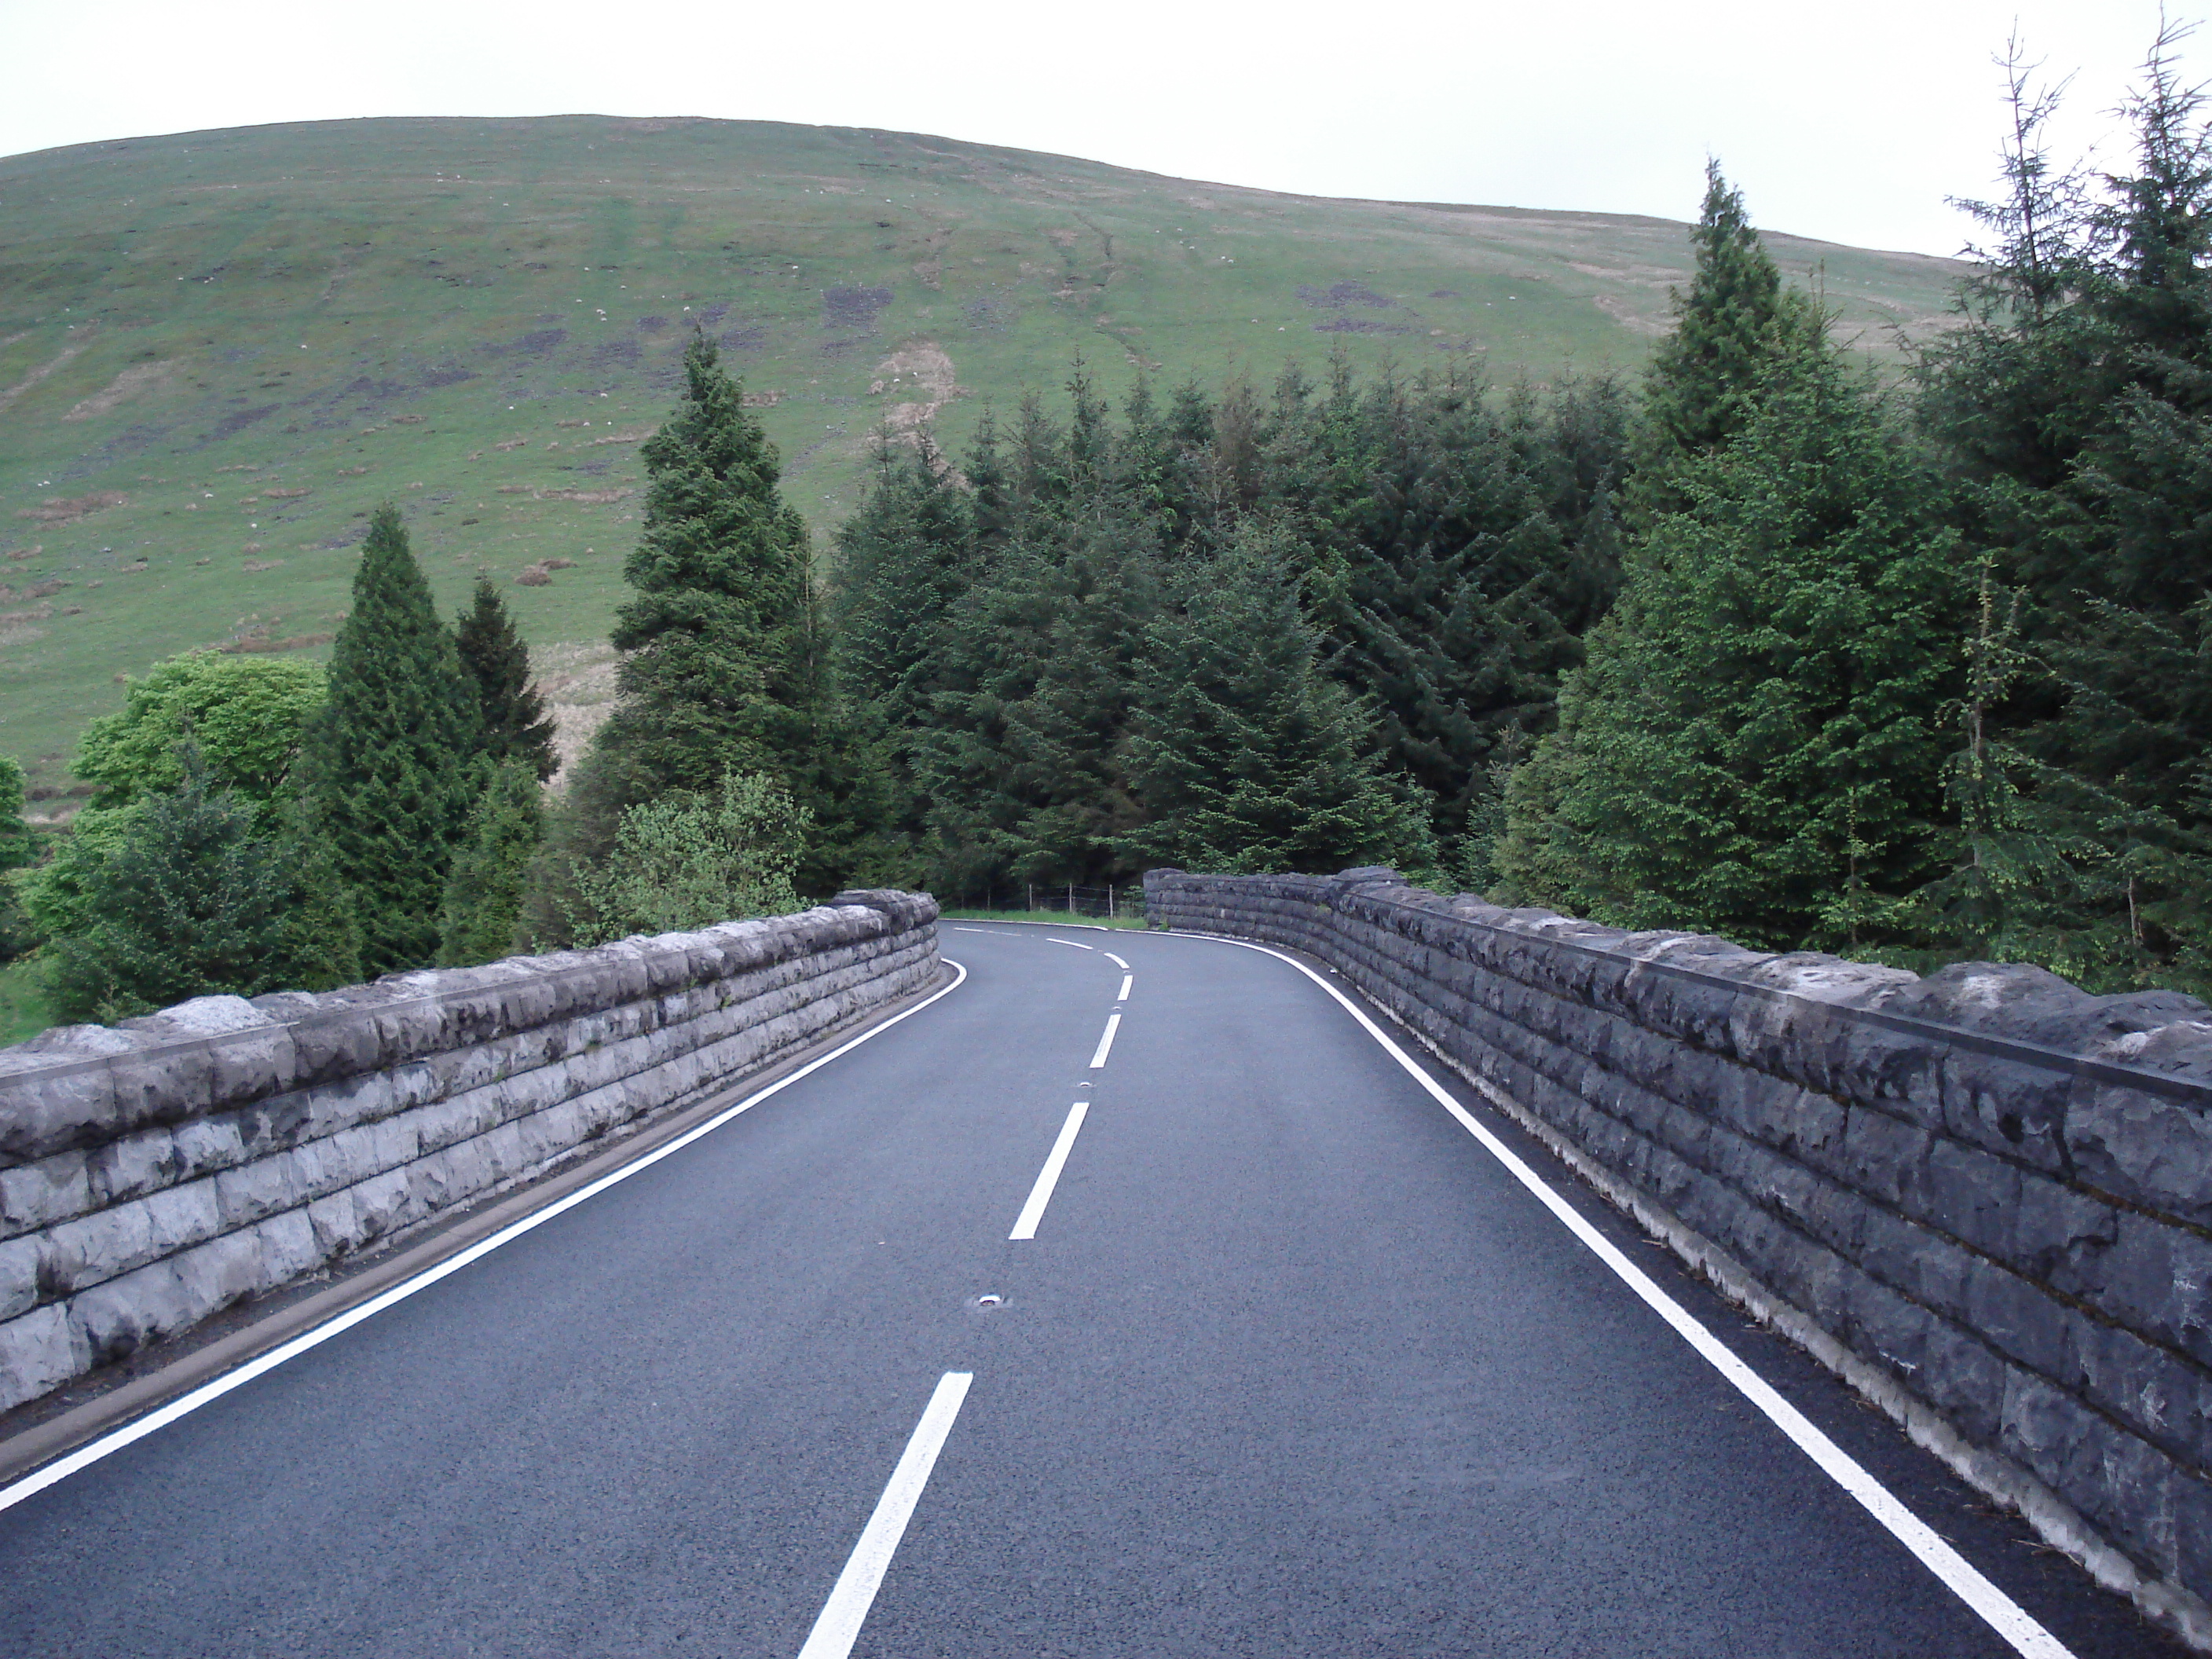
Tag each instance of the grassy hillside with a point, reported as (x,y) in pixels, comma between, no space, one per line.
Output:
(218,351)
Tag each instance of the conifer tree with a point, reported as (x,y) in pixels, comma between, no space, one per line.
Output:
(484,891)
(1024,762)
(723,666)
(2075,405)
(1707,375)
(903,559)
(196,901)
(511,710)
(727,665)
(1247,756)
(391,760)
(1452,559)
(1755,746)
(16,847)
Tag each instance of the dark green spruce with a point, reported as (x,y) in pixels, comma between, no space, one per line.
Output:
(391,762)
(1708,374)
(725,655)
(198,900)
(721,668)
(512,714)
(484,891)
(1755,745)
(1249,757)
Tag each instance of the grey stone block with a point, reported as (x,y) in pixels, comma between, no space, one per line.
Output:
(2146,1148)
(58,1090)
(40,1351)
(37,1194)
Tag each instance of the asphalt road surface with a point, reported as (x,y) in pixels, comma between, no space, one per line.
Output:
(1292,1364)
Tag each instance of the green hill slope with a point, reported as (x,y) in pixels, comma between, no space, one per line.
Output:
(217,350)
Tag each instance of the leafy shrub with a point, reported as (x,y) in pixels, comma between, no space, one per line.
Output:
(246,716)
(688,860)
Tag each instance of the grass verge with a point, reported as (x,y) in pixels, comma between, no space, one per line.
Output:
(1060,918)
(23,1011)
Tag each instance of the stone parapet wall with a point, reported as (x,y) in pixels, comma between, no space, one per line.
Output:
(155,1173)
(1986,1196)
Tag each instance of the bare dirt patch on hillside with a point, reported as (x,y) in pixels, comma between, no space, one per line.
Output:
(589,497)
(64,509)
(921,377)
(578,682)
(60,360)
(138,378)
(1629,316)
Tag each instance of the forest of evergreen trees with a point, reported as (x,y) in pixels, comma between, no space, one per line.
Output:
(1761,643)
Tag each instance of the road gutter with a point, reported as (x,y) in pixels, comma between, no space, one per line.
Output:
(41,1443)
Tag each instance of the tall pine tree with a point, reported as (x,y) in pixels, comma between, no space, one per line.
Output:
(1755,746)
(1247,756)
(724,666)
(721,666)
(1707,376)
(903,559)
(390,762)
(511,710)
(2074,406)
(485,888)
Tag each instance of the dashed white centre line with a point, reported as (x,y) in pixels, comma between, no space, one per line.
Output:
(1025,1225)
(1105,1043)
(839,1627)
(1127,979)
(1116,960)
(1071,943)
(971,930)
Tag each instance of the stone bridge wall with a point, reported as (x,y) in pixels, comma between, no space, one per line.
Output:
(1986,1196)
(156,1172)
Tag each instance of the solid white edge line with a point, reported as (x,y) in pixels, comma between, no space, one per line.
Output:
(1105,1043)
(1072,944)
(1116,960)
(1025,1225)
(1127,979)
(854,1593)
(1999,1611)
(184,1404)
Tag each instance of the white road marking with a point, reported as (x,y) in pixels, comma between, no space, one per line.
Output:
(91,1453)
(1999,1611)
(970,930)
(1116,960)
(1127,979)
(1113,1024)
(1025,1225)
(1071,943)
(839,1627)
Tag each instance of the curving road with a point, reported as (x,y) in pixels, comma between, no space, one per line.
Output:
(1293,1364)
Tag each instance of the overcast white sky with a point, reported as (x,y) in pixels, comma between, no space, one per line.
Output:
(1848,122)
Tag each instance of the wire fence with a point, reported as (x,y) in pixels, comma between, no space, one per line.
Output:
(1111,902)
